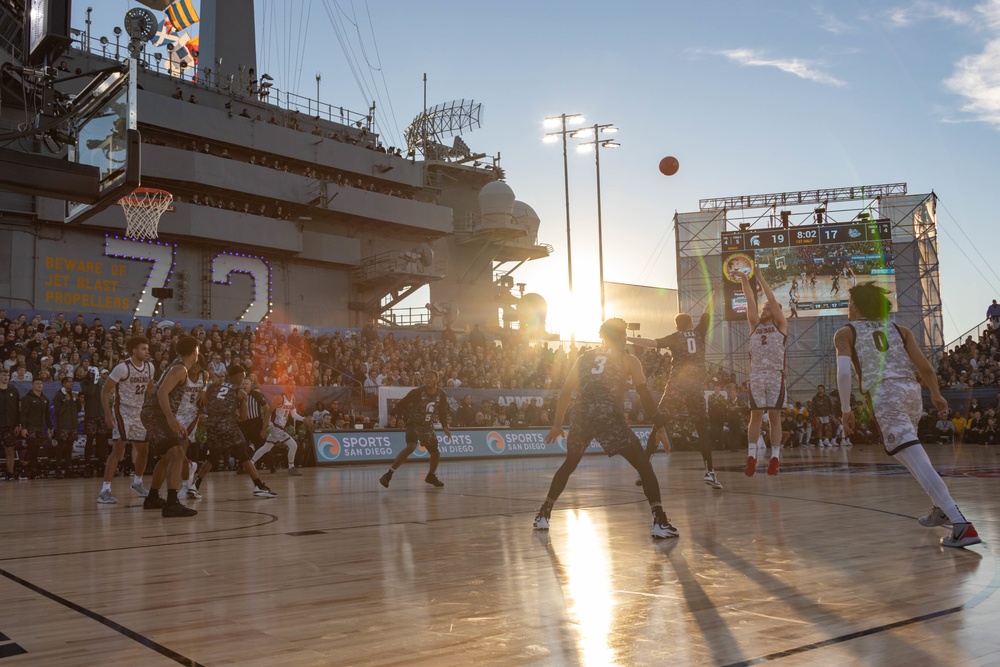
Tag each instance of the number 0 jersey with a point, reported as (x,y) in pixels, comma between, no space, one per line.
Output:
(603,376)
(687,351)
(767,349)
(879,353)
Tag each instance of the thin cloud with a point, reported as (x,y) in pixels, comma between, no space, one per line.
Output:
(915,12)
(977,76)
(831,23)
(803,69)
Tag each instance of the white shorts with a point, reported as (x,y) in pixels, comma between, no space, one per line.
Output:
(823,420)
(276,435)
(128,427)
(896,406)
(767,391)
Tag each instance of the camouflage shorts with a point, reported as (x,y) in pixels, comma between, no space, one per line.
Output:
(603,423)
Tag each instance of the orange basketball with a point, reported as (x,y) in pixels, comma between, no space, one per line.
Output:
(669,165)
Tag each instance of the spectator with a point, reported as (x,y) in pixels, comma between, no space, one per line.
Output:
(67,407)
(993,314)
(945,428)
(36,420)
(960,423)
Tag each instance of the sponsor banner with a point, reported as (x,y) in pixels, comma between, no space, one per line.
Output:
(336,447)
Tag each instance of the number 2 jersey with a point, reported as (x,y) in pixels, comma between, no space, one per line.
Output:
(767,349)
(224,406)
(879,354)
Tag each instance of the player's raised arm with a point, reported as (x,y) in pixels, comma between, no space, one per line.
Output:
(845,382)
(753,317)
(776,313)
(706,318)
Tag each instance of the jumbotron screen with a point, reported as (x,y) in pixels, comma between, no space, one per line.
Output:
(809,267)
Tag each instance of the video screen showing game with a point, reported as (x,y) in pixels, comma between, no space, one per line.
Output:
(810,268)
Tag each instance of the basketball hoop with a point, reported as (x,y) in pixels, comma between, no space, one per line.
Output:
(143,209)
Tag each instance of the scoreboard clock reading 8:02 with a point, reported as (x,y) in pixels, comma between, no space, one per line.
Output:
(785,237)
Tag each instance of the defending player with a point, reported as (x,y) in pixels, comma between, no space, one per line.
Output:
(888,361)
(167,435)
(128,382)
(189,415)
(227,407)
(420,408)
(599,377)
(281,408)
(685,390)
(768,333)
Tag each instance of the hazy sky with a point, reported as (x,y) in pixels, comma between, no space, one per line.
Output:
(750,97)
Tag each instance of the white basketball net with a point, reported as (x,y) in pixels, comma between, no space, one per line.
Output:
(143,209)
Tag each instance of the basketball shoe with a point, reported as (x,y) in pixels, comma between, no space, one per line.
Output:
(934,518)
(751,467)
(177,510)
(962,535)
(139,489)
(264,492)
(662,528)
(542,518)
(433,480)
(772,466)
(386,478)
(711,480)
(105,497)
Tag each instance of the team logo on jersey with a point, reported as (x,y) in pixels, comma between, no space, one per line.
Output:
(329,447)
(496,442)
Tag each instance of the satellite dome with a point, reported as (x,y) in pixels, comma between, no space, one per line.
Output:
(526,217)
(496,202)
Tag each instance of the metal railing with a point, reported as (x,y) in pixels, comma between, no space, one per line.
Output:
(975,332)
(238,89)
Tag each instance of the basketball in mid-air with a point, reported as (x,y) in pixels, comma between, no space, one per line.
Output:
(669,165)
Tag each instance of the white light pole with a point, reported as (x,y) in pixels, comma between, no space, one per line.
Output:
(598,143)
(561,121)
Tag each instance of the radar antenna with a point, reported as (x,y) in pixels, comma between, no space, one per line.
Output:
(428,131)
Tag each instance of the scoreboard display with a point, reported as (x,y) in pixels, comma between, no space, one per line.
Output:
(810,268)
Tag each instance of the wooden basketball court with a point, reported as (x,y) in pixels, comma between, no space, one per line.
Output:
(822,565)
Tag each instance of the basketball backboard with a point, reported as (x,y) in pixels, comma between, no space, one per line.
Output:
(104,135)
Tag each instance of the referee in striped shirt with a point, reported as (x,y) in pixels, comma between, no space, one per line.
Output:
(254,428)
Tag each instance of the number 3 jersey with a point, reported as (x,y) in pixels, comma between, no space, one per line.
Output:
(767,349)
(603,377)
(879,354)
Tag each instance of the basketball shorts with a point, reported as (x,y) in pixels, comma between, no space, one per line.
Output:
(227,437)
(602,423)
(251,433)
(7,437)
(896,406)
(425,436)
(683,398)
(128,426)
(190,424)
(824,419)
(277,435)
(767,391)
(96,427)
(160,436)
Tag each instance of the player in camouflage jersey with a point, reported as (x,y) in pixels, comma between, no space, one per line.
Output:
(227,407)
(599,377)
(166,435)
(420,408)
(768,332)
(685,390)
(888,361)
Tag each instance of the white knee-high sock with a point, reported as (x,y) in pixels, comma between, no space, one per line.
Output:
(916,461)
(292,448)
(263,450)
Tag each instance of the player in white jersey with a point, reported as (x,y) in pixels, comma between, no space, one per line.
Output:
(888,362)
(188,414)
(282,407)
(768,332)
(128,382)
